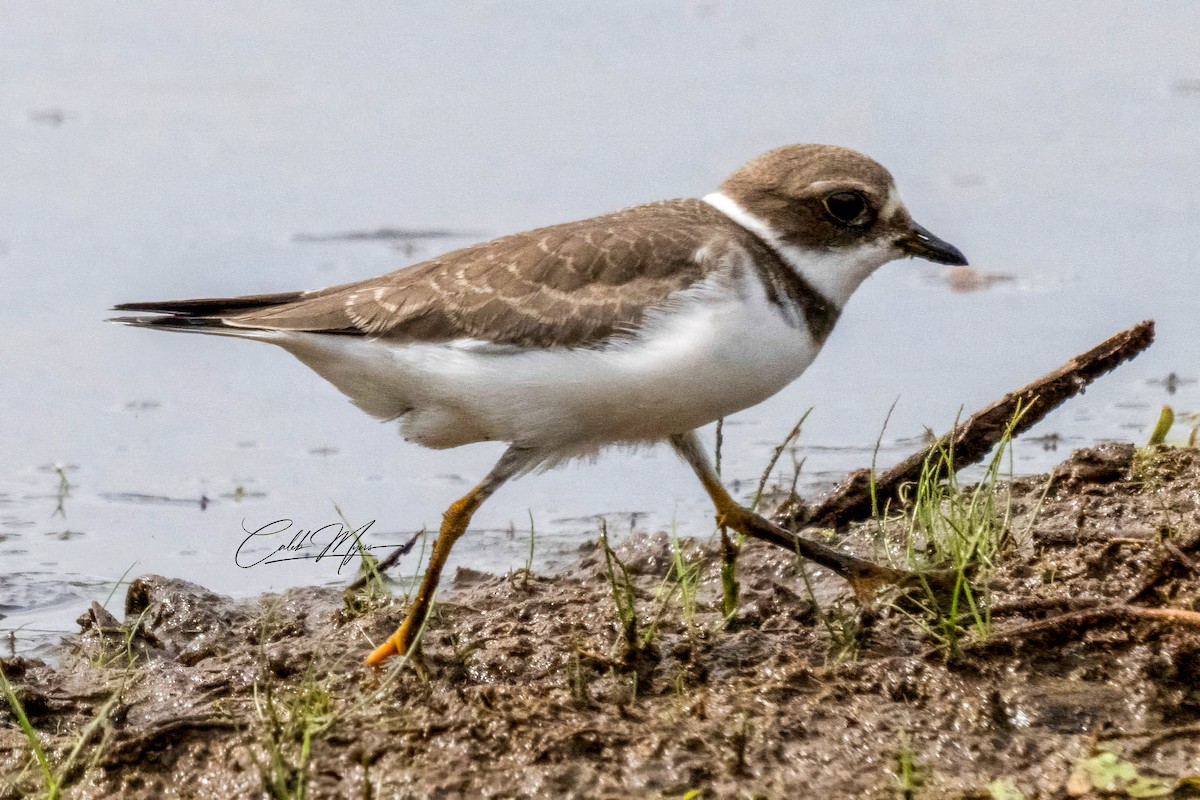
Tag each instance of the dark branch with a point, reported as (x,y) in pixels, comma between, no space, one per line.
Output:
(975,438)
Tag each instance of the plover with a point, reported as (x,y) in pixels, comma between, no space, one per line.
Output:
(637,326)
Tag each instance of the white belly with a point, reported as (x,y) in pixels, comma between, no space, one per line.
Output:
(716,351)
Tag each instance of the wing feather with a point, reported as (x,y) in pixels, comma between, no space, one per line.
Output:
(574,284)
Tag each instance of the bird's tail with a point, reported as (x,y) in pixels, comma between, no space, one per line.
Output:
(201,315)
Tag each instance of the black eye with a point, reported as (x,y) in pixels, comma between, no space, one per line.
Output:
(845,207)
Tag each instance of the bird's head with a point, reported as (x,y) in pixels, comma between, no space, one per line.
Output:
(834,209)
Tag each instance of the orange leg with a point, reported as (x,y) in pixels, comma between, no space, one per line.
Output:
(730,512)
(864,576)
(454,525)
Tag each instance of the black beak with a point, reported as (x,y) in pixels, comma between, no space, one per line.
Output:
(920,243)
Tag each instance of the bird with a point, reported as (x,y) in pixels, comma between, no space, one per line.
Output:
(634,327)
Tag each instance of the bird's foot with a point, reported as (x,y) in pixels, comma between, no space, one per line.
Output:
(398,644)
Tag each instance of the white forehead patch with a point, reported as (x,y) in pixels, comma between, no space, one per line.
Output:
(892,205)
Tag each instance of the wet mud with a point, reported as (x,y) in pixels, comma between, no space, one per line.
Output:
(526,685)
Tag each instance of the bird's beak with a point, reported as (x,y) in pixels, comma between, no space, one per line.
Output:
(920,243)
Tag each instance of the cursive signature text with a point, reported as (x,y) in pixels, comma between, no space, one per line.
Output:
(332,542)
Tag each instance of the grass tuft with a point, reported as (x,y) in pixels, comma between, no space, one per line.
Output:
(730,589)
(49,778)
(1158,436)
(56,777)
(640,651)
(288,723)
(685,575)
(731,547)
(624,599)
(960,528)
(907,775)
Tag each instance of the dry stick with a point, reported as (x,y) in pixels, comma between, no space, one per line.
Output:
(1036,605)
(132,748)
(1174,730)
(386,564)
(1158,569)
(1169,614)
(1183,558)
(976,437)
(1166,735)
(1085,613)
(1087,617)
(969,442)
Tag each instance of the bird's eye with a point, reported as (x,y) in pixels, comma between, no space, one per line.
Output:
(846,207)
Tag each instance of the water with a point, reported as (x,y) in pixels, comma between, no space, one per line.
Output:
(156,151)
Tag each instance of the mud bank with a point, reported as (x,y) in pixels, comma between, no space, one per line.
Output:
(526,686)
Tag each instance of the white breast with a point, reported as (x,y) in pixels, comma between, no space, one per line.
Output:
(721,346)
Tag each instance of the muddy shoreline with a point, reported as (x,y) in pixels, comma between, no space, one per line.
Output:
(526,686)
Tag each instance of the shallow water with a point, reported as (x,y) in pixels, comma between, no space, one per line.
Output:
(159,152)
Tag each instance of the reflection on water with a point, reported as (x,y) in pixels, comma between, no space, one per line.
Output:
(969,279)
(167,152)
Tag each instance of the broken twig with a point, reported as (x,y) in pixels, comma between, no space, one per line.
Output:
(1085,618)
(386,564)
(976,437)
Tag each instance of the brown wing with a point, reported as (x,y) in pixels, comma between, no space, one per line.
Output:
(568,285)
